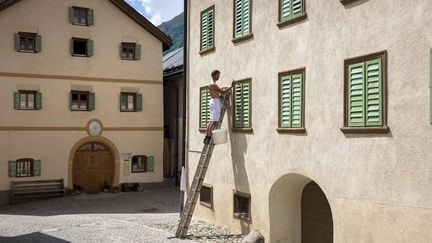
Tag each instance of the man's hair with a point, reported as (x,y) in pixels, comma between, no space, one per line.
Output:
(214,73)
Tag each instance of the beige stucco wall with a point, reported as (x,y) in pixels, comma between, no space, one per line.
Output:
(61,72)
(378,186)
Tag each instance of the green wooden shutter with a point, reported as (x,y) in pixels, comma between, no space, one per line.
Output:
(238,106)
(121,50)
(150,163)
(71,47)
(70,100)
(36,167)
(89,48)
(17,42)
(38,43)
(204,31)
(137,52)
(373,91)
(210,29)
(204,107)
(71,15)
(285,9)
(297,7)
(238,26)
(91,102)
(297,100)
(16,100)
(246,105)
(90,19)
(285,109)
(38,104)
(12,168)
(138,102)
(356,95)
(246,17)
(123,100)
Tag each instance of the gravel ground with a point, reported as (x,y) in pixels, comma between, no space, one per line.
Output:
(148,216)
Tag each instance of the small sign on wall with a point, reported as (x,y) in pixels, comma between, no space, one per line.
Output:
(126,156)
(126,168)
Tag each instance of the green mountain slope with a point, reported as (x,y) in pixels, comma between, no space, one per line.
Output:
(174,28)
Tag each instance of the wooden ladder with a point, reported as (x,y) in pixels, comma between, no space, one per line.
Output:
(207,151)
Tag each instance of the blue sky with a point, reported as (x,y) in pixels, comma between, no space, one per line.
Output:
(157,11)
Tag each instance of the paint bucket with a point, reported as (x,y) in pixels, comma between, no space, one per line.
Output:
(220,136)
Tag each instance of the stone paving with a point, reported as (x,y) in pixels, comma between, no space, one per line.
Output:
(148,216)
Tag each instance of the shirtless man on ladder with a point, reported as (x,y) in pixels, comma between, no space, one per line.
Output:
(215,104)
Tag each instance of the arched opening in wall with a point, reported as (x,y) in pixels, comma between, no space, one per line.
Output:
(316,216)
(289,199)
(93,167)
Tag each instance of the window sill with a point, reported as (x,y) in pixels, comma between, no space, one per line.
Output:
(207,205)
(345,2)
(243,38)
(243,217)
(208,50)
(127,111)
(244,130)
(291,130)
(79,55)
(350,130)
(27,51)
(79,24)
(292,21)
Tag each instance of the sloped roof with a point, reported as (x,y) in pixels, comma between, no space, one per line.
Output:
(128,10)
(173,62)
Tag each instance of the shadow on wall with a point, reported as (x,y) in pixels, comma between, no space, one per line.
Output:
(355,4)
(239,146)
(161,200)
(33,237)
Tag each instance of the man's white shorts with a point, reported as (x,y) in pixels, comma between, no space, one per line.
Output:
(215,109)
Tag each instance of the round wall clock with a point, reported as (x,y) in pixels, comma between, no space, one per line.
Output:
(94,127)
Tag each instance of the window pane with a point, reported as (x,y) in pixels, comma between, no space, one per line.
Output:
(30,102)
(130,102)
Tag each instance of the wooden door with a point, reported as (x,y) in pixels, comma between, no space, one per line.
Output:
(316,221)
(92,168)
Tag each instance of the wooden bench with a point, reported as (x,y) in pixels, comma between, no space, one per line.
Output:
(29,190)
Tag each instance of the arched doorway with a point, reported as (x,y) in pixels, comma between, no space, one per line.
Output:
(316,219)
(93,166)
(296,208)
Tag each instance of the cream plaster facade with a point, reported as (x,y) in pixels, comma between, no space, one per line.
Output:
(378,185)
(53,133)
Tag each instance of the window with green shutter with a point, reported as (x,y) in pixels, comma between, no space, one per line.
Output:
(81,16)
(82,101)
(291,11)
(207,30)
(242,105)
(27,100)
(291,101)
(130,51)
(242,20)
(81,47)
(365,93)
(204,115)
(150,164)
(130,102)
(28,42)
(25,167)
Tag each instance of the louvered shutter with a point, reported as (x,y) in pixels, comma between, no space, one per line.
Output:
(12,168)
(204,107)
(90,19)
(285,9)
(36,167)
(238,106)
(123,100)
(238,27)
(285,109)
(16,100)
(296,7)
(38,43)
(71,47)
(373,93)
(91,102)
(137,52)
(150,163)
(210,29)
(356,95)
(204,31)
(71,15)
(38,104)
(121,50)
(70,100)
(246,17)
(89,48)
(297,100)
(246,105)
(17,42)
(138,102)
